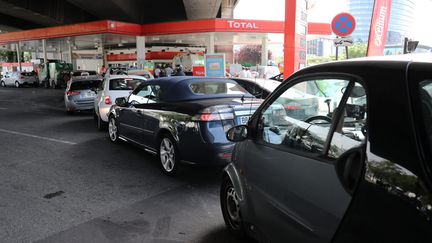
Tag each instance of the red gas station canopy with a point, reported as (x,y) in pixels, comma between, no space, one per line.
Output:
(184,27)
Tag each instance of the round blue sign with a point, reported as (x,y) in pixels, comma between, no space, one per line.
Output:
(343,24)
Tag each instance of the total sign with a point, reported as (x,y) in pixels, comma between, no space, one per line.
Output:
(241,25)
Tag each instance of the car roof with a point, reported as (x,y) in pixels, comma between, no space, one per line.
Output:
(126,76)
(85,78)
(176,88)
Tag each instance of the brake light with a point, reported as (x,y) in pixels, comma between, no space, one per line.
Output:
(20,77)
(71,93)
(209,117)
(292,107)
(214,116)
(107,100)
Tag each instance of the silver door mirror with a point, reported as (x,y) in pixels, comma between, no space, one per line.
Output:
(237,133)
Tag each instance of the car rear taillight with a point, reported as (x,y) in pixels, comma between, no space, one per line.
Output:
(107,100)
(72,92)
(20,77)
(292,107)
(212,114)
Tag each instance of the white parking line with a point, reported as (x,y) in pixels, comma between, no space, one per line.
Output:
(35,136)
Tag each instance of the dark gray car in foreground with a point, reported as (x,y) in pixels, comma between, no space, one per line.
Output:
(360,171)
(182,119)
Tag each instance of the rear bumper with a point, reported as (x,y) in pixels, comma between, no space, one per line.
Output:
(72,105)
(205,154)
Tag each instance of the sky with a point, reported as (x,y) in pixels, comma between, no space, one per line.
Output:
(324,10)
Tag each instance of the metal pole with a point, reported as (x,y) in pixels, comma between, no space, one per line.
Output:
(337,53)
(346,52)
(18,49)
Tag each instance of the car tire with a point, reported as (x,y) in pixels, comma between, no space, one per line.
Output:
(168,155)
(3,84)
(230,206)
(113,131)
(17,84)
(101,125)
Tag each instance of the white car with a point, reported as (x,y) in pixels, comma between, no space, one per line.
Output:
(111,88)
(18,79)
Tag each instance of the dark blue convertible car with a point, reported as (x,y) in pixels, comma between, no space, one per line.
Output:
(182,119)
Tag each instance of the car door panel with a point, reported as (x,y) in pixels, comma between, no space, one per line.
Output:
(310,207)
(129,122)
(297,190)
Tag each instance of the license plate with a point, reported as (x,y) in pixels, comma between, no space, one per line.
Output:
(243,120)
(89,94)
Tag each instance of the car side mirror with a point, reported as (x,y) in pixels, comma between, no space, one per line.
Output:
(121,101)
(237,133)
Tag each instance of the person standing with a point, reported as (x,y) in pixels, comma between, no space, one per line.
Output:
(169,71)
(243,73)
(157,71)
(179,71)
(102,70)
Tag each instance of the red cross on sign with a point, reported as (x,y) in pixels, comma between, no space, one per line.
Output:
(343,24)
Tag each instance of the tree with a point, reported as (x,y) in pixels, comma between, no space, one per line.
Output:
(8,56)
(249,55)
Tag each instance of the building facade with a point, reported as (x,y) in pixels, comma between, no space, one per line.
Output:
(400,24)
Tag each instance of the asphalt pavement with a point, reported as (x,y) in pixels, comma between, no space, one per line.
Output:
(63,181)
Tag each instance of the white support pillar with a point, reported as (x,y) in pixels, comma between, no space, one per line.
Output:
(70,52)
(211,43)
(18,49)
(140,47)
(264,51)
(44,52)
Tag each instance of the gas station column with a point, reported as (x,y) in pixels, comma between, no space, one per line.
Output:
(211,43)
(264,51)
(44,51)
(70,52)
(140,46)
(18,49)
(289,38)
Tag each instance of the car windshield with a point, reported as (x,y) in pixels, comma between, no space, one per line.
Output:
(84,73)
(26,74)
(217,88)
(82,85)
(124,83)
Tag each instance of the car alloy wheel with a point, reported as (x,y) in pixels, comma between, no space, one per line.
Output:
(230,204)
(17,84)
(168,155)
(113,130)
(3,84)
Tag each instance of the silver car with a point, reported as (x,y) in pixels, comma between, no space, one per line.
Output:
(80,93)
(19,79)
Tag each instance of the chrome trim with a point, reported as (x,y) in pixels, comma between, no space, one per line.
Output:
(137,128)
(145,147)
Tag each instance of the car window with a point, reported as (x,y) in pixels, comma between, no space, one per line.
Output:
(216,88)
(426,106)
(146,94)
(83,85)
(351,130)
(124,83)
(300,117)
